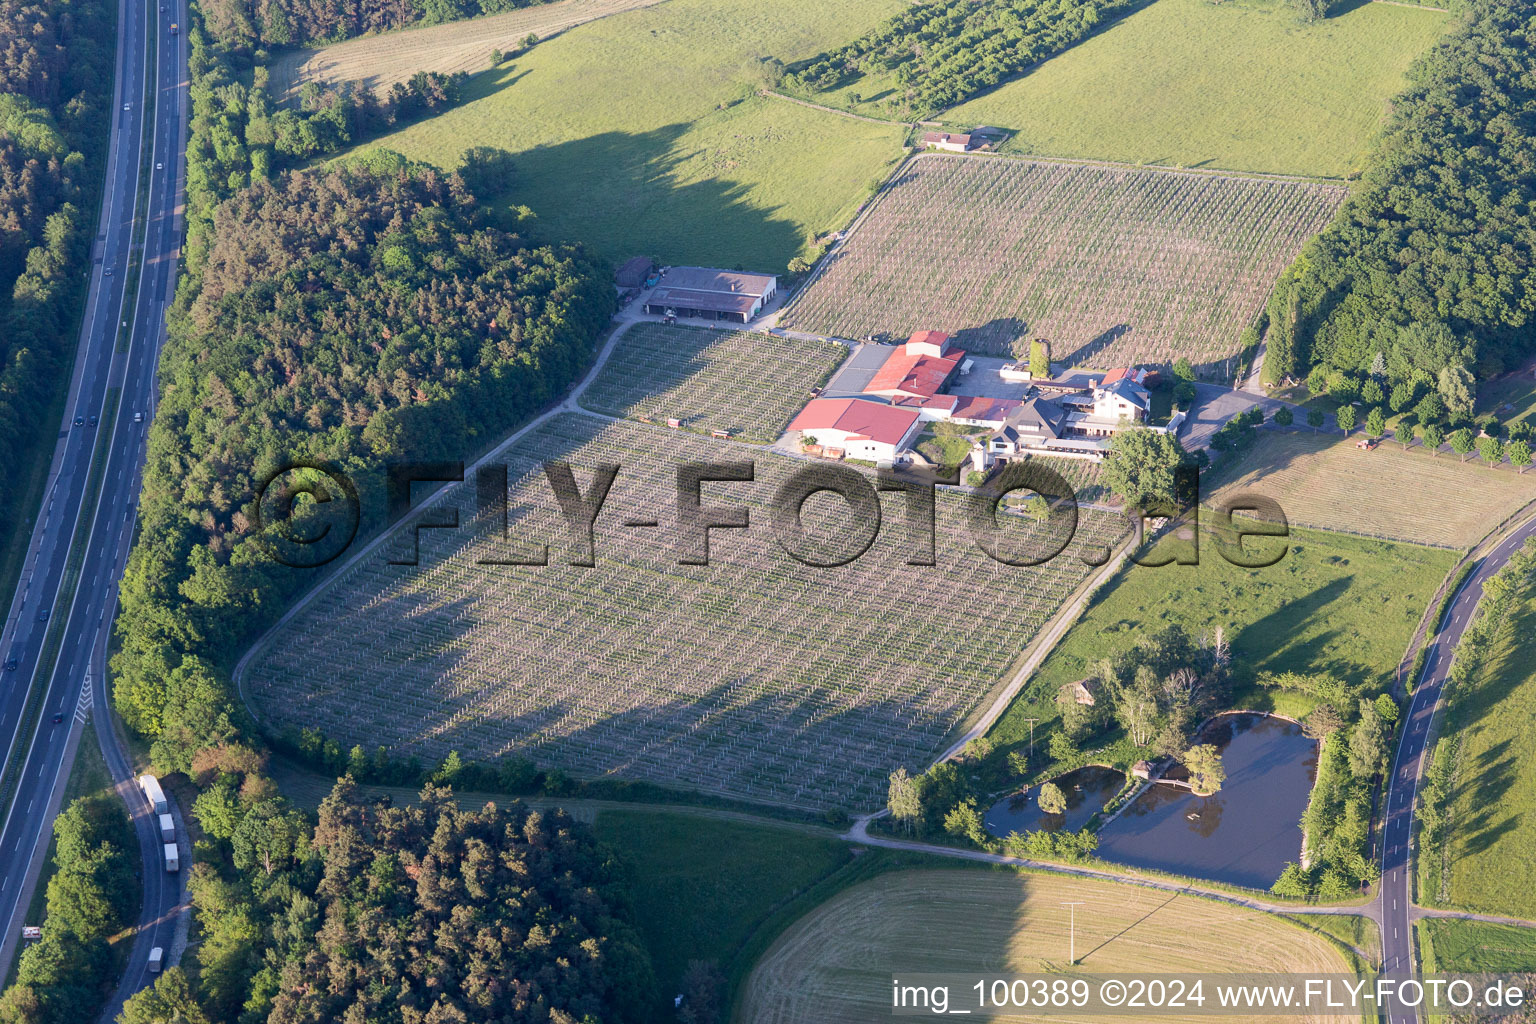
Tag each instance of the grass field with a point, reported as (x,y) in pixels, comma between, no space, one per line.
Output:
(1323,480)
(1239,85)
(1334,603)
(379,61)
(1112,265)
(755,677)
(1512,397)
(702,888)
(1473,947)
(836,964)
(749,384)
(640,133)
(1492,825)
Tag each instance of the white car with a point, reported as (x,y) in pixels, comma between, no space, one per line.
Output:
(159,167)
(127,106)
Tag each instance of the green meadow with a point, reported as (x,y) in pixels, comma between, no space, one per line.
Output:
(1237,85)
(642,133)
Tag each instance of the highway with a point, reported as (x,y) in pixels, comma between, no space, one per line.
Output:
(1407,768)
(108,411)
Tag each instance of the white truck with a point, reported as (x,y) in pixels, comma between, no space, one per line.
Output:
(153,793)
(172,858)
(167,829)
(156,956)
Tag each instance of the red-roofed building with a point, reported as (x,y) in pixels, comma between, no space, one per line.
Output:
(862,428)
(919,370)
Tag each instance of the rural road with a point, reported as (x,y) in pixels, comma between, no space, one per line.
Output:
(1396,890)
(92,513)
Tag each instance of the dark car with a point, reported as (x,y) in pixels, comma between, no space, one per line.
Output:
(42,616)
(10,664)
(79,421)
(93,421)
(58,716)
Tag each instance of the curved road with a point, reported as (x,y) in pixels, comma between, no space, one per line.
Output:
(112,383)
(1403,782)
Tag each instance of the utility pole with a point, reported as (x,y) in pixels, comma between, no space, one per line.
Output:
(1072,906)
(1031,722)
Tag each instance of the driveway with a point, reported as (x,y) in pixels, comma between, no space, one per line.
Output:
(1214,406)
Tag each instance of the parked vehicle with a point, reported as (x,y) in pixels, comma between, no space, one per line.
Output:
(156,958)
(167,829)
(172,858)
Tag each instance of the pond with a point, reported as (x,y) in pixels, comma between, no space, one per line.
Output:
(1087,790)
(1242,835)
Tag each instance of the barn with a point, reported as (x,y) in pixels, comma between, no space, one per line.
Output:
(706,294)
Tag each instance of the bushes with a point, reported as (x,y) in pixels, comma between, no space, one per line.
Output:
(950,50)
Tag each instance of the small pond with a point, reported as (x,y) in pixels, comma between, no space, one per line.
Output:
(1242,835)
(1087,790)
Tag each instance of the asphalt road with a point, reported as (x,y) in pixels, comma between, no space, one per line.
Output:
(141,145)
(1403,783)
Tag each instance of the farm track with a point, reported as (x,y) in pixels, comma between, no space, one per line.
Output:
(379,61)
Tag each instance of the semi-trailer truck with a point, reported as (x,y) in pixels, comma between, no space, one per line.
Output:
(153,793)
(167,829)
(172,858)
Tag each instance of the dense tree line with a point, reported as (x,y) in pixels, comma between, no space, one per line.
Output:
(398,914)
(240,134)
(53,117)
(350,314)
(94,893)
(245,25)
(1427,269)
(947,51)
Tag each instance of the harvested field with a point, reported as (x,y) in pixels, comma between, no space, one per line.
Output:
(1113,265)
(1323,480)
(378,62)
(748,384)
(836,963)
(755,677)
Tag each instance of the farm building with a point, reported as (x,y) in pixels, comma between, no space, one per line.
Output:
(918,370)
(947,142)
(1084,691)
(862,428)
(707,294)
(635,272)
(976,140)
(1074,422)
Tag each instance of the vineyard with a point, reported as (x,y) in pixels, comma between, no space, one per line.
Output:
(378,62)
(756,677)
(747,384)
(1114,265)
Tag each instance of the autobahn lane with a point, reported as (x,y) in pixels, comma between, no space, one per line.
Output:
(1403,782)
(146,54)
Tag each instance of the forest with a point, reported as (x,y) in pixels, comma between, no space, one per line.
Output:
(950,50)
(53,119)
(347,314)
(1425,278)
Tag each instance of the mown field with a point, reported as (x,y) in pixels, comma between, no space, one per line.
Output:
(749,384)
(1474,947)
(1323,480)
(378,62)
(1492,824)
(1334,603)
(641,134)
(1239,85)
(1112,265)
(836,963)
(755,677)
